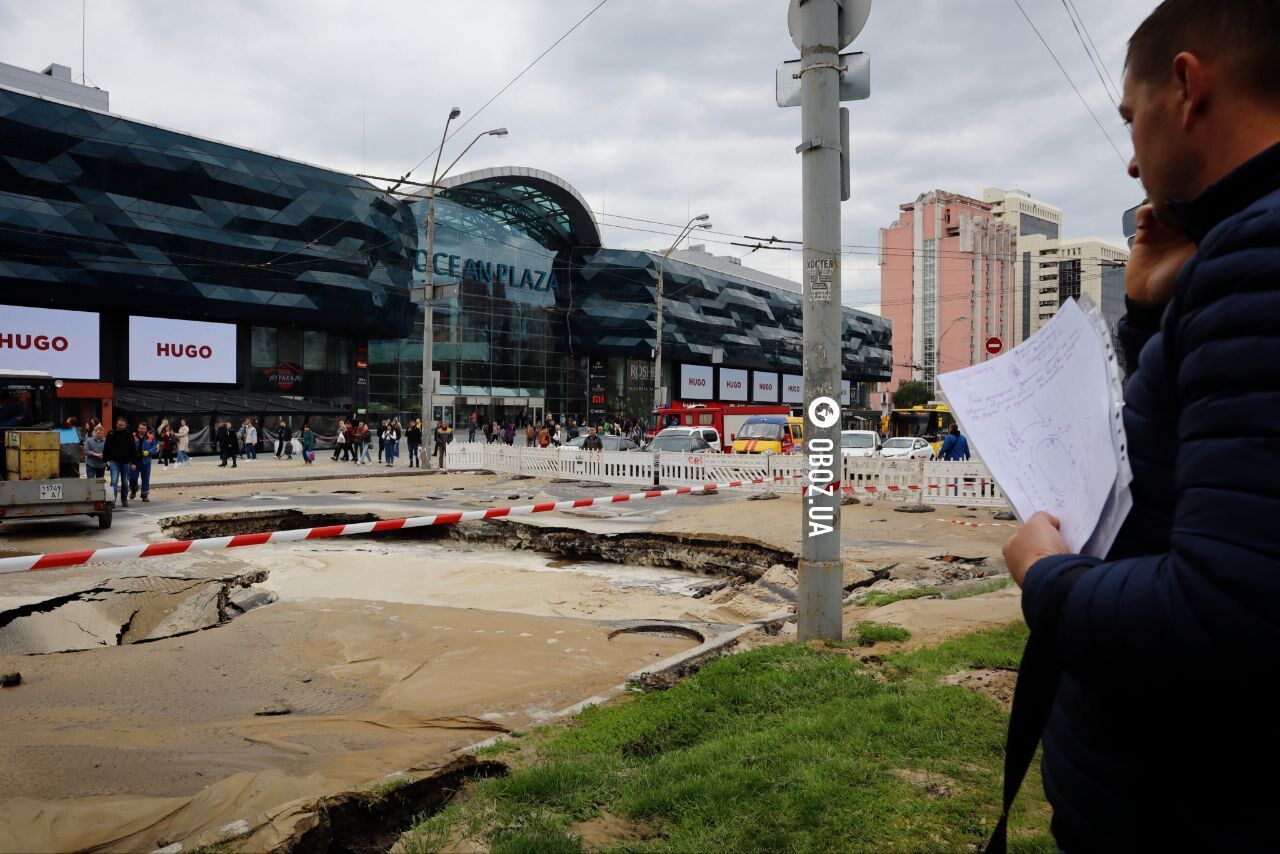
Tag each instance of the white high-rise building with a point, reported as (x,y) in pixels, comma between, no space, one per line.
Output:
(1039,225)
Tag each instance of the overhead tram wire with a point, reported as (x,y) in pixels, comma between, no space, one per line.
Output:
(511,83)
(1097,52)
(1092,61)
(1063,69)
(495,96)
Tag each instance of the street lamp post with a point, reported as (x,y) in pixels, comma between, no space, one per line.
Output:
(937,355)
(428,301)
(701,220)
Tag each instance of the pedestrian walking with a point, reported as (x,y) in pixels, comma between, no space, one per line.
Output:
(242,433)
(488,432)
(95,463)
(350,448)
(414,438)
(955,447)
(145,450)
(118,451)
(382,439)
(251,440)
(340,441)
(509,433)
(366,445)
(1145,670)
(593,442)
(284,440)
(444,435)
(168,446)
(391,441)
(308,442)
(184,442)
(471,428)
(227,445)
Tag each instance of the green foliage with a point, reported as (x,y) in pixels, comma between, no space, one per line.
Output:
(779,748)
(386,787)
(876,598)
(911,393)
(869,633)
(985,587)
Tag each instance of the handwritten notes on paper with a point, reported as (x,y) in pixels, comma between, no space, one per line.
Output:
(1045,418)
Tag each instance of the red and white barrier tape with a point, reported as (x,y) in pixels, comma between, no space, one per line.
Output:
(59,560)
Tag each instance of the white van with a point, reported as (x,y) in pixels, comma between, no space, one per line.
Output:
(859,443)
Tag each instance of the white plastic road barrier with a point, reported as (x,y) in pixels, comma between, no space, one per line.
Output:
(57,560)
(955,483)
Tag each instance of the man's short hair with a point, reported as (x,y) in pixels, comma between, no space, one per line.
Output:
(1242,34)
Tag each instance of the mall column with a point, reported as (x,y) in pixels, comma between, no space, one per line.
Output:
(820,586)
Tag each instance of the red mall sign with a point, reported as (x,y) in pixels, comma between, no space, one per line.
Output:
(994,345)
(284,375)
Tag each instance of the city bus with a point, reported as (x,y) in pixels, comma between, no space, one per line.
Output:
(931,422)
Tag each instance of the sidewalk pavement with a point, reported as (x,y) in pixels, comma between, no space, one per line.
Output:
(205,471)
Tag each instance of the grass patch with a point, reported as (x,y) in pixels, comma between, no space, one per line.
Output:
(876,598)
(779,748)
(869,633)
(985,587)
(386,787)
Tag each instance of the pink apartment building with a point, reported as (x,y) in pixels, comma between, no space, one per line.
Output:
(946,282)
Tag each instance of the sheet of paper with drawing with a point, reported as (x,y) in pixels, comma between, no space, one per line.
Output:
(1045,418)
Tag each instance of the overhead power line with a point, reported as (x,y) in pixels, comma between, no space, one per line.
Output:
(510,83)
(1097,52)
(495,97)
(1096,63)
(1074,87)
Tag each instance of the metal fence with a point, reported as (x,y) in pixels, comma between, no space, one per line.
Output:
(874,479)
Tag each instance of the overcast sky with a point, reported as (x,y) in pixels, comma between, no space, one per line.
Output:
(652,109)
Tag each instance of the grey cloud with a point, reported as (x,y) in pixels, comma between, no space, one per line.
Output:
(653,108)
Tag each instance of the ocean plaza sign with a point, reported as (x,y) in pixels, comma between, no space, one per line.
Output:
(480,270)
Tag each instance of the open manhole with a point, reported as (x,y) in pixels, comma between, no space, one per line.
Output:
(665,630)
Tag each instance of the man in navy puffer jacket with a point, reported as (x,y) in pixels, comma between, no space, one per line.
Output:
(1167,651)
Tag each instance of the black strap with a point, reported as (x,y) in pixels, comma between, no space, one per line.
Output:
(1032,701)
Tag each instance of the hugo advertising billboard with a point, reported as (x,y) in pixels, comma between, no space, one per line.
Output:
(63,344)
(764,387)
(792,388)
(733,384)
(695,382)
(189,351)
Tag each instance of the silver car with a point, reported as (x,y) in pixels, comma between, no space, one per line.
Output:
(907,448)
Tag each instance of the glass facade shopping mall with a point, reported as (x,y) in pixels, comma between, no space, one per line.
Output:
(297,288)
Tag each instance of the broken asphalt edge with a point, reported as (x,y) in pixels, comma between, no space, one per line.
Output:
(662,672)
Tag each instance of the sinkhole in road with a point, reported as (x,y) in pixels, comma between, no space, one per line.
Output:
(494,565)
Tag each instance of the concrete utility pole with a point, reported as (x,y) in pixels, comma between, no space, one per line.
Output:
(819,30)
(658,391)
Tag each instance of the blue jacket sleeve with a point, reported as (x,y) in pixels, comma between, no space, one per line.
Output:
(1214,596)
(1135,329)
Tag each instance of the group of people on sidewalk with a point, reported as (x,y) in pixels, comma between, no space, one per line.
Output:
(549,432)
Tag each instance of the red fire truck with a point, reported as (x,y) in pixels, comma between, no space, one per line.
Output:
(727,418)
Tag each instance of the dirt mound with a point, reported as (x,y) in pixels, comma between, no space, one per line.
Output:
(996,684)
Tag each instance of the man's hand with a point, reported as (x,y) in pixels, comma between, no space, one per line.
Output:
(1159,252)
(1038,538)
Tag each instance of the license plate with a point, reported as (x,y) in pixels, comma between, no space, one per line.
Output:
(50,492)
